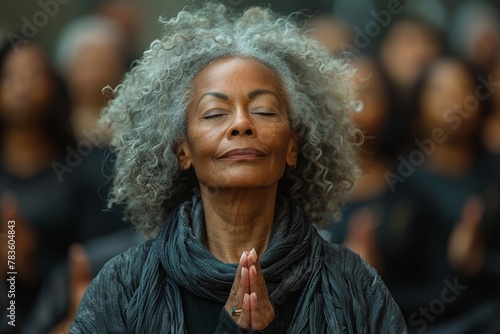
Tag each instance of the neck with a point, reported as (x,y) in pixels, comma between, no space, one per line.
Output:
(238,220)
(452,159)
(26,150)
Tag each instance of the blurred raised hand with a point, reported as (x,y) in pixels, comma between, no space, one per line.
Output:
(361,237)
(466,244)
(25,237)
(80,276)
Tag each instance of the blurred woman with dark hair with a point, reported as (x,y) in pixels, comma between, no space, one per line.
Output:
(447,116)
(34,133)
(49,212)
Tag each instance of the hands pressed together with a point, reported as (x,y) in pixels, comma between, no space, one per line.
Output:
(248,303)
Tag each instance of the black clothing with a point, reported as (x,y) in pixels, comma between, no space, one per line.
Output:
(51,305)
(402,221)
(450,196)
(139,291)
(60,209)
(202,315)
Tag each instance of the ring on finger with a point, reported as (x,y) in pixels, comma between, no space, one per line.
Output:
(235,311)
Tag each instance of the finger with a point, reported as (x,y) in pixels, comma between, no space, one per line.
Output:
(257,280)
(237,292)
(245,316)
(262,311)
(259,319)
(252,257)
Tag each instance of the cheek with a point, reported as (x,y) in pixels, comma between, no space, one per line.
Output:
(202,145)
(278,141)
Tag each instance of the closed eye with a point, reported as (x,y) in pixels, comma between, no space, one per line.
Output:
(264,112)
(214,113)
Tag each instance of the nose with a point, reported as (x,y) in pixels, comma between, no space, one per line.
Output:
(241,125)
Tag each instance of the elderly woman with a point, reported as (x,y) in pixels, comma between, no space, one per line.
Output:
(233,139)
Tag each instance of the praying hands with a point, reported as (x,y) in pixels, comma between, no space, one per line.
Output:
(248,303)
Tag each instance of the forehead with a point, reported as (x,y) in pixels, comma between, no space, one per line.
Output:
(26,55)
(234,73)
(450,72)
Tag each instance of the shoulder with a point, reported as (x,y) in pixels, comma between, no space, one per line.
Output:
(127,263)
(124,269)
(362,291)
(346,261)
(348,267)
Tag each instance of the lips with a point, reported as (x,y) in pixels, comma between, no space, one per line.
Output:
(243,153)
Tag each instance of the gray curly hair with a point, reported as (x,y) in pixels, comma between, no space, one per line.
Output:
(148,114)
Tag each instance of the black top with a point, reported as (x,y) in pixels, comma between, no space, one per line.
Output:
(402,219)
(203,315)
(60,206)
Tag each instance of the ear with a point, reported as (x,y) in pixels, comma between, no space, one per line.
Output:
(183,154)
(292,151)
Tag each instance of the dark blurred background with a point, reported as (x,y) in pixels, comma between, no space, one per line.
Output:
(11,13)
(425,213)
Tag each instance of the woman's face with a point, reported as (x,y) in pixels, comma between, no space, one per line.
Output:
(238,132)
(26,86)
(94,67)
(444,100)
(407,50)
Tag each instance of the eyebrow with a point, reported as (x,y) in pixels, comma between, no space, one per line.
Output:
(258,92)
(251,95)
(216,94)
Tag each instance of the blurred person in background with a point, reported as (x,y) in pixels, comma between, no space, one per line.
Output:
(56,305)
(332,32)
(387,227)
(51,210)
(33,133)
(474,34)
(491,126)
(407,46)
(128,15)
(90,55)
(465,241)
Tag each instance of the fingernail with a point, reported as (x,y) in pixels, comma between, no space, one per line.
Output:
(253,254)
(245,298)
(254,296)
(242,256)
